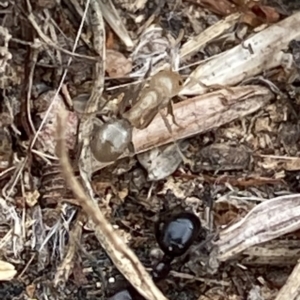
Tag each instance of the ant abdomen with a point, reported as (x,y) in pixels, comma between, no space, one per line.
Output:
(110,140)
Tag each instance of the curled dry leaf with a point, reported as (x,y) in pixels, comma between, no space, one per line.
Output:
(7,271)
(267,14)
(47,137)
(217,157)
(266,221)
(160,162)
(260,14)
(155,48)
(117,65)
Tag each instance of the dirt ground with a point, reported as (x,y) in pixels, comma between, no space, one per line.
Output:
(247,156)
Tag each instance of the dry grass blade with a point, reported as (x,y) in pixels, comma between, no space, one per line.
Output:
(86,124)
(64,270)
(50,43)
(112,17)
(257,54)
(98,28)
(124,259)
(208,35)
(291,290)
(266,221)
(273,253)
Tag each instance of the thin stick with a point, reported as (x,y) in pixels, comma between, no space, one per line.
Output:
(123,258)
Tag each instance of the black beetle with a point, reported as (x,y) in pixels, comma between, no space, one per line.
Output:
(174,236)
(123,295)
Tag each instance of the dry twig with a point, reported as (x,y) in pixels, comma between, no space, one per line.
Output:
(86,124)
(199,114)
(124,259)
(208,35)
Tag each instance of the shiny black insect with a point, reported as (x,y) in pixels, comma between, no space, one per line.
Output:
(174,236)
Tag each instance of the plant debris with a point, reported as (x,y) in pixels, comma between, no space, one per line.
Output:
(116,114)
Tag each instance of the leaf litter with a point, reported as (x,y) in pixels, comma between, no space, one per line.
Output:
(224,144)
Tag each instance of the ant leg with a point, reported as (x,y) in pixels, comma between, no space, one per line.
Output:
(170,111)
(186,161)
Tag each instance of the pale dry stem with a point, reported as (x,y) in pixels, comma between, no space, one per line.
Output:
(291,290)
(266,221)
(124,259)
(64,270)
(9,213)
(35,50)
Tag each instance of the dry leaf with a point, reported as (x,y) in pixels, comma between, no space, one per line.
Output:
(47,137)
(117,65)
(267,14)
(265,222)
(30,290)
(260,14)
(250,19)
(7,271)
(220,7)
(160,162)
(110,40)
